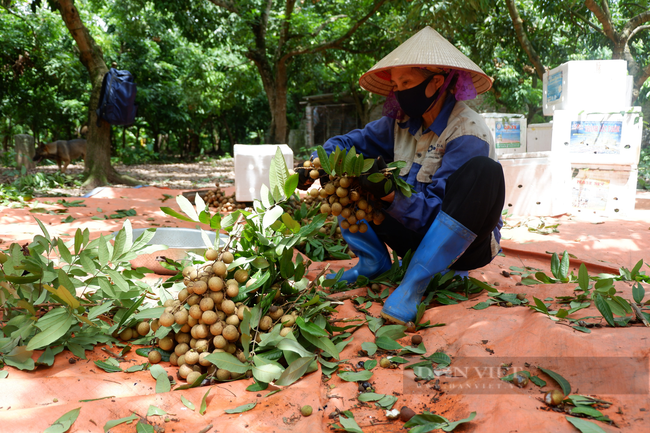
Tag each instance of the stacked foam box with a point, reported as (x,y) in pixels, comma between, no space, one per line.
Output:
(508,132)
(252,167)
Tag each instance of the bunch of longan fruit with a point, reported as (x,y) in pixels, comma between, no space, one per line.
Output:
(222,203)
(341,196)
(210,318)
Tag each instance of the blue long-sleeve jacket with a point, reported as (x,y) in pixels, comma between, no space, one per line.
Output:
(432,155)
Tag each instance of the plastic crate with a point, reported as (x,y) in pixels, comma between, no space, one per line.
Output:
(597,85)
(252,167)
(539,137)
(536,184)
(607,190)
(508,131)
(598,138)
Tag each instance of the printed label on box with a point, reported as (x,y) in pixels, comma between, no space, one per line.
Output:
(589,193)
(507,135)
(595,137)
(554,87)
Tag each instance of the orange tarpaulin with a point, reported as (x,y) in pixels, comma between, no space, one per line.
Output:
(608,363)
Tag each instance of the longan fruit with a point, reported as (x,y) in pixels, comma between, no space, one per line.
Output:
(181,349)
(240,311)
(219,342)
(126,334)
(355,196)
(232,320)
(173,359)
(354,228)
(187,270)
(211,254)
(316,163)
(241,276)
(203,361)
(193,299)
(183,337)
(223,374)
(287,320)
(313,193)
(363,227)
(209,317)
(227,257)
(352,219)
(240,356)
(220,269)
(200,331)
(183,294)
(306,164)
(325,209)
(180,360)
(344,201)
(215,284)
(143,328)
(200,287)
(166,319)
(228,307)
(337,208)
(230,333)
(284,332)
(216,297)
(191,321)
(196,312)
(341,192)
(184,371)
(206,304)
(193,376)
(345,213)
(181,316)
(323,192)
(330,189)
(217,328)
(265,323)
(191,357)
(155,325)
(314,174)
(360,214)
(232,291)
(231,348)
(166,343)
(202,345)
(275,312)
(345,182)
(345,224)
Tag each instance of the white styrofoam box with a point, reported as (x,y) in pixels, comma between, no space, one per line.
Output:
(537,184)
(586,84)
(538,137)
(508,131)
(252,167)
(592,138)
(603,189)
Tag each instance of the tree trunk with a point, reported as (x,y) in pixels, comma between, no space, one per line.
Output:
(230,137)
(517,22)
(98,153)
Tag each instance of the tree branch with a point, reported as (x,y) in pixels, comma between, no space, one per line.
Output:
(523,38)
(327,22)
(604,19)
(227,5)
(284,30)
(589,23)
(634,24)
(336,43)
(637,30)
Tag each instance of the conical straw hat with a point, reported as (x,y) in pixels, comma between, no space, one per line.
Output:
(424,49)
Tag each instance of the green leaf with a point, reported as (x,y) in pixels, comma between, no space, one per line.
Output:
(393,332)
(204,403)
(141,427)
(540,305)
(227,362)
(4,374)
(481,305)
(538,381)
(440,358)
(564,384)
(187,403)
(369,347)
(583,277)
(370,396)
(586,410)
(267,373)
(64,423)
(367,163)
(376,177)
(54,324)
(171,212)
(293,346)
(564,267)
(153,410)
(324,159)
(110,424)
(604,309)
(294,371)
(453,425)
(278,172)
(374,323)
(387,343)
(311,328)
(638,293)
(111,365)
(242,408)
(355,376)
(349,424)
(370,364)
(186,207)
(585,426)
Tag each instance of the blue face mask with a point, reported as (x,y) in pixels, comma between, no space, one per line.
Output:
(414,101)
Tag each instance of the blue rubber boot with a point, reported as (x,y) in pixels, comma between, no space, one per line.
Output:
(446,240)
(373,255)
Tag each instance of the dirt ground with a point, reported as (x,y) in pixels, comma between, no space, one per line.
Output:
(195,175)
